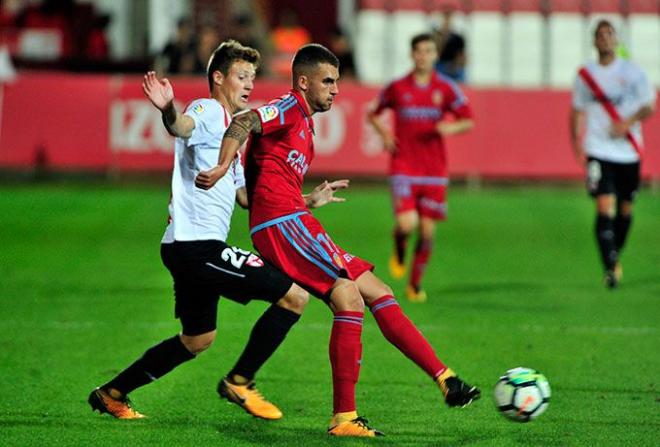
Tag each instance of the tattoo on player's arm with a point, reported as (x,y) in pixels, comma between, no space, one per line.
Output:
(242,125)
(168,116)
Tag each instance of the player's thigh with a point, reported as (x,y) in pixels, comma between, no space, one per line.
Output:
(600,178)
(402,194)
(432,202)
(372,287)
(195,303)
(195,307)
(407,221)
(305,252)
(243,276)
(626,180)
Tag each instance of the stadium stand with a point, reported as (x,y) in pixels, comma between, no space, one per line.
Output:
(525,31)
(519,43)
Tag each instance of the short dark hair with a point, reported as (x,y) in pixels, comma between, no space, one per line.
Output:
(309,56)
(602,23)
(424,37)
(226,54)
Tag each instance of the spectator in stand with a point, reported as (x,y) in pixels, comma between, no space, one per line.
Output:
(451,45)
(208,40)
(51,15)
(8,11)
(243,32)
(248,32)
(170,59)
(341,46)
(287,37)
(97,47)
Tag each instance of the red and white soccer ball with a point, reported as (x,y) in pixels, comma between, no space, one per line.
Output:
(522,394)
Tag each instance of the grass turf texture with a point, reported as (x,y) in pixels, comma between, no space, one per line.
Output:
(514,281)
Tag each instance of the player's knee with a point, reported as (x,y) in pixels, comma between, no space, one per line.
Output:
(346,297)
(197,344)
(407,222)
(427,235)
(295,299)
(406,227)
(625,209)
(605,205)
(386,290)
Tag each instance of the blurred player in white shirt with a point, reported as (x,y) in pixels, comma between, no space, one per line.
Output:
(614,96)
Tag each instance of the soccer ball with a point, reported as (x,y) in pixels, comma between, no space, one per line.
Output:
(522,394)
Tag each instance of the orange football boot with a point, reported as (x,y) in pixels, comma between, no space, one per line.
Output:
(103,402)
(249,398)
(350,424)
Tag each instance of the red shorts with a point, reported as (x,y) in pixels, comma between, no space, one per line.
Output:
(298,245)
(426,195)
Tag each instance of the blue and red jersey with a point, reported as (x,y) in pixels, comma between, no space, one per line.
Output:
(278,159)
(417,110)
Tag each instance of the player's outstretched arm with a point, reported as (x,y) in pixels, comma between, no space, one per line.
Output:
(325,193)
(161,95)
(240,128)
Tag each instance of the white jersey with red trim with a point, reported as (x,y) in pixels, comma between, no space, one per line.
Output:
(196,214)
(627,87)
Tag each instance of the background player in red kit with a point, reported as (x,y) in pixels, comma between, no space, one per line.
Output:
(284,231)
(418,166)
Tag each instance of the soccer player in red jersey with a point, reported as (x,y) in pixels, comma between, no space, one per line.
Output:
(279,152)
(418,165)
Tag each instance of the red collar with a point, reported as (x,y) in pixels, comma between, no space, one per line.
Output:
(303,107)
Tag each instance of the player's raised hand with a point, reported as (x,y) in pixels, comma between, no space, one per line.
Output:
(158,91)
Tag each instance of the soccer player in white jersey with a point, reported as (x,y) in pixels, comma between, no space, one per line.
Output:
(202,265)
(614,96)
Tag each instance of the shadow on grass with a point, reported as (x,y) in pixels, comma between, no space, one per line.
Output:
(274,434)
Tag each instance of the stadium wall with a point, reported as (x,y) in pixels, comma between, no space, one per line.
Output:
(104,123)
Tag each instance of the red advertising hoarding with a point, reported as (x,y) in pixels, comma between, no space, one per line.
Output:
(77,122)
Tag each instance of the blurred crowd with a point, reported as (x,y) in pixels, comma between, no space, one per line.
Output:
(54,30)
(191,46)
(66,34)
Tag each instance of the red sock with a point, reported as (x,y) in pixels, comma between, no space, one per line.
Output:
(422,254)
(400,244)
(345,357)
(402,333)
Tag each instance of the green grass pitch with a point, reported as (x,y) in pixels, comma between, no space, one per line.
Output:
(514,281)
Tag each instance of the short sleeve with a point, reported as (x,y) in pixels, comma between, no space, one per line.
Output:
(456,102)
(581,96)
(239,174)
(277,116)
(205,113)
(385,99)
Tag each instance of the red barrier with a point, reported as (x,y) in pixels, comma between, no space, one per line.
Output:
(102,122)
